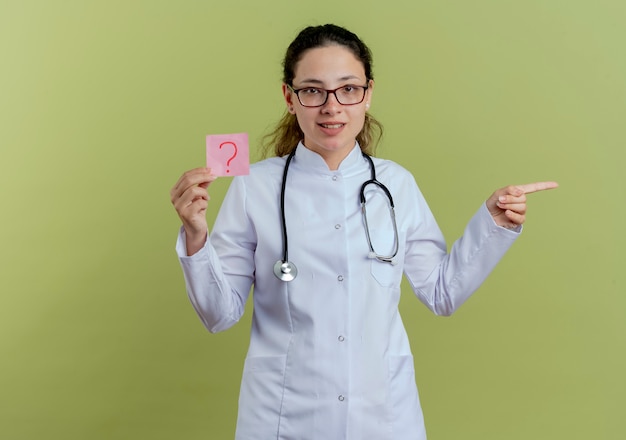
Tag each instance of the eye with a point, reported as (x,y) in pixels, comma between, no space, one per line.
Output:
(348,90)
(310,91)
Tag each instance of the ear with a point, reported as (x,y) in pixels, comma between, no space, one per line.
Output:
(288,94)
(370,92)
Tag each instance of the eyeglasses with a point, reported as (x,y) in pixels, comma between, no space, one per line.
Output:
(316,97)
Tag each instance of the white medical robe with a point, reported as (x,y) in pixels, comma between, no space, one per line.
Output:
(329,357)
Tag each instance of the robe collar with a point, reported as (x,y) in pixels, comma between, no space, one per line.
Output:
(310,160)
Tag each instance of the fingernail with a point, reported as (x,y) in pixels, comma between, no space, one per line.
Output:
(502,199)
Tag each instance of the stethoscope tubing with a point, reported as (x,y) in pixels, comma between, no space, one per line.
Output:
(286,270)
(282,205)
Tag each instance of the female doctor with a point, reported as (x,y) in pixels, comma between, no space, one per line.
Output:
(329,357)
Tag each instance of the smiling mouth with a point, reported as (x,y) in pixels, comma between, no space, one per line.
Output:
(332,125)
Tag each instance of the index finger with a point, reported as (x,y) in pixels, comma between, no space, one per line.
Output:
(191,178)
(537,186)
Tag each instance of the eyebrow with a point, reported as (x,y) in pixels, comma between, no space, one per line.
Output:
(320,82)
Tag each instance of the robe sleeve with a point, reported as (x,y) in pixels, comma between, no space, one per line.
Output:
(443,281)
(219,276)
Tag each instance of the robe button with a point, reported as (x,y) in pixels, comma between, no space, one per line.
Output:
(341,338)
(340,278)
(341,398)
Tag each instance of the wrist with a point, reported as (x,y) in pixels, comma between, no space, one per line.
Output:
(194,241)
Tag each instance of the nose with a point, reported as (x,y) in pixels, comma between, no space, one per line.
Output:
(332,104)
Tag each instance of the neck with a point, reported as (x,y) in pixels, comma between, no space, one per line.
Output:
(334,162)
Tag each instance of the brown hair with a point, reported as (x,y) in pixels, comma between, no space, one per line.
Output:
(287,133)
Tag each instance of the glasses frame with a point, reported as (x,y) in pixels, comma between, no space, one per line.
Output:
(328,92)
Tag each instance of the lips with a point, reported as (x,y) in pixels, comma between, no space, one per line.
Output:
(331,125)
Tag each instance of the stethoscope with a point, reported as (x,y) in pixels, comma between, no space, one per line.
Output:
(285,270)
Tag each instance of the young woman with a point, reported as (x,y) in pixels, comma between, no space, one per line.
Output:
(324,233)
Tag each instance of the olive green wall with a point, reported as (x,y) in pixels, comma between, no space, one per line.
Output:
(103,104)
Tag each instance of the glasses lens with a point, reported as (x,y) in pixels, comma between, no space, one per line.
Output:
(350,95)
(312,97)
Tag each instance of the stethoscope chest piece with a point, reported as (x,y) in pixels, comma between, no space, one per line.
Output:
(285,270)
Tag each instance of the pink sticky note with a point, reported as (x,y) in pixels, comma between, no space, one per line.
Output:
(228,154)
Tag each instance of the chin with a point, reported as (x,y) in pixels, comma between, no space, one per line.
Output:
(338,143)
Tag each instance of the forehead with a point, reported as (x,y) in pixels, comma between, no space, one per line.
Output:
(328,64)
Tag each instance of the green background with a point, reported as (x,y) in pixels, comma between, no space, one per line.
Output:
(103,104)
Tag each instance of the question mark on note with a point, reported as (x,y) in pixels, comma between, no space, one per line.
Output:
(231,157)
(228,154)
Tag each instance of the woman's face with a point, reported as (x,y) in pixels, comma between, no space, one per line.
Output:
(329,130)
